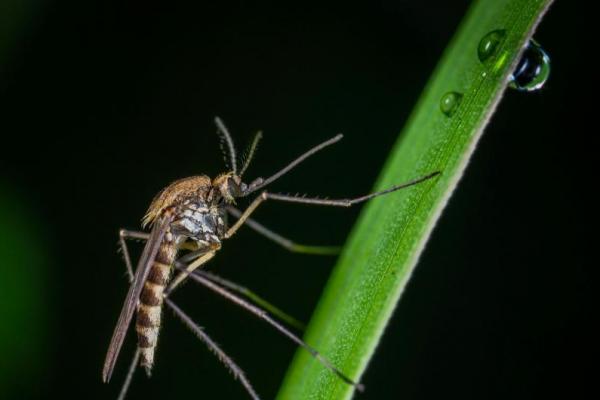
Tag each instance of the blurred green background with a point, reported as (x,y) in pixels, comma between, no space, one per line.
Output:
(105,102)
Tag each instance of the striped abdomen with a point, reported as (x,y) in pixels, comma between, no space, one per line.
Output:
(151,301)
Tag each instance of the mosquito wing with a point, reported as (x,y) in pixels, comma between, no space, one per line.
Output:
(131,301)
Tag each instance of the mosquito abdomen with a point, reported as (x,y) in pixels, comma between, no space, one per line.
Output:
(151,301)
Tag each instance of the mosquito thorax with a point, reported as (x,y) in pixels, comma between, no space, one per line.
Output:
(195,208)
(200,221)
(178,192)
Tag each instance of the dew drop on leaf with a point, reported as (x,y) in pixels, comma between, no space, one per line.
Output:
(533,69)
(449,103)
(489,44)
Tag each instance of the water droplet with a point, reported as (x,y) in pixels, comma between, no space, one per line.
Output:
(489,44)
(532,70)
(449,103)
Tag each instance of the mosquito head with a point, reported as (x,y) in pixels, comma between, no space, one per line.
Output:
(229,185)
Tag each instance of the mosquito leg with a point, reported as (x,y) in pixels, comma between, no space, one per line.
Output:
(129,377)
(123,235)
(181,264)
(135,235)
(256,299)
(263,315)
(283,241)
(314,201)
(347,202)
(244,216)
(187,261)
(214,348)
(185,273)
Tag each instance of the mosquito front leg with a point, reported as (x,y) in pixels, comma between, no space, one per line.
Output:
(283,241)
(347,202)
(314,201)
(244,216)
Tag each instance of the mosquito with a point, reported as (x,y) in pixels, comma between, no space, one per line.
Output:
(191,215)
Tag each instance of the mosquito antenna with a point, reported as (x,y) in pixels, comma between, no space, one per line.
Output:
(227,140)
(249,154)
(261,183)
(214,348)
(127,382)
(260,313)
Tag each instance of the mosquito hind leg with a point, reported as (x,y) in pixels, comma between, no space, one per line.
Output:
(125,234)
(262,314)
(237,372)
(181,264)
(129,377)
(253,297)
(283,241)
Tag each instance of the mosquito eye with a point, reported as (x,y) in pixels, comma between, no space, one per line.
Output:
(233,187)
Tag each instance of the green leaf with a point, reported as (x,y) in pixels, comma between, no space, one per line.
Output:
(392,230)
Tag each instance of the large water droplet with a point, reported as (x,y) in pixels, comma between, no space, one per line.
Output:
(449,103)
(489,44)
(532,70)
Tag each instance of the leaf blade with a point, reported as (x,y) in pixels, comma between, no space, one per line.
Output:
(391,232)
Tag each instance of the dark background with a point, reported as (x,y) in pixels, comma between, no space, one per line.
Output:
(105,102)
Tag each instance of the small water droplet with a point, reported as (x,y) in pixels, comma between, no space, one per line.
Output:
(532,70)
(449,103)
(489,44)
